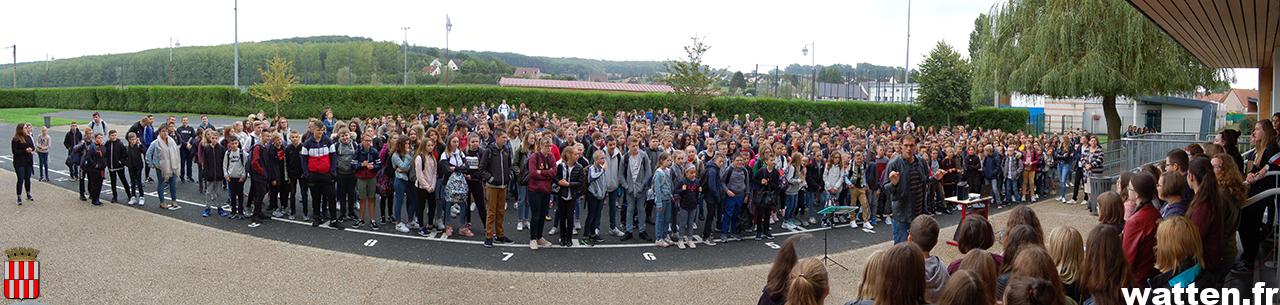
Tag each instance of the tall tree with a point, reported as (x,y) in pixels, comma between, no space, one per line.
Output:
(277,82)
(689,78)
(944,80)
(831,74)
(1101,48)
(737,82)
(979,93)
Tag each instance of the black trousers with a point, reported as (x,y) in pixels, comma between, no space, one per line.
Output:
(762,217)
(564,218)
(346,194)
(715,209)
(296,184)
(135,175)
(538,211)
(257,192)
(236,188)
(321,194)
(94,178)
(279,195)
(83,179)
(593,215)
(427,201)
(1252,230)
(119,173)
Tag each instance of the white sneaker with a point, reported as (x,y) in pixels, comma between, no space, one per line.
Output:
(553,231)
(615,232)
(533,245)
(693,245)
(867,225)
(520,226)
(402,228)
(680,244)
(812,220)
(695,226)
(142,201)
(577,225)
(133,200)
(888,221)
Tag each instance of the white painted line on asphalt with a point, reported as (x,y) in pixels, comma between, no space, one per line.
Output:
(414,236)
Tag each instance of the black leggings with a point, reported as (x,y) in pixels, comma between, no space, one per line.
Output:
(1075,188)
(1252,230)
(426,200)
(135,175)
(477,196)
(714,210)
(763,210)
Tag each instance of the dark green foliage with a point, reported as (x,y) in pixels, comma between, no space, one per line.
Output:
(363,101)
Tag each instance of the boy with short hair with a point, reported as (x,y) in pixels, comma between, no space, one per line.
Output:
(924,233)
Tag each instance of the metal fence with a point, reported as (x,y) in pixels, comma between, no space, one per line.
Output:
(1137,151)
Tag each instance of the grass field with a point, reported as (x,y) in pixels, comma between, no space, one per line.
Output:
(35,116)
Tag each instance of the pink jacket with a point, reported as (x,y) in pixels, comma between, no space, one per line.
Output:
(425,173)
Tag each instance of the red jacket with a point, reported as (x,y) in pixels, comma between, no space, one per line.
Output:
(541,171)
(1139,238)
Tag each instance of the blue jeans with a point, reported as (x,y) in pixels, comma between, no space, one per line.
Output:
(1011,194)
(635,207)
(790,203)
(614,199)
(997,197)
(660,221)
(400,194)
(44,165)
(522,203)
(1064,173)
(24,178)
(684,222)
(900,229)
(170,183)
(806,201)
(730,217)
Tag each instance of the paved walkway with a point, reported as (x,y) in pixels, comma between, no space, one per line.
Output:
(112,254)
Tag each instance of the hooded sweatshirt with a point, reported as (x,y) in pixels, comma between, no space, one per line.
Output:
(935,275)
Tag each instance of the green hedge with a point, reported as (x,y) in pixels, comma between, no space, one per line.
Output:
(348,101)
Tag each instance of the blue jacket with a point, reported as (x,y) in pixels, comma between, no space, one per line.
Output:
(711,178)
(991,166)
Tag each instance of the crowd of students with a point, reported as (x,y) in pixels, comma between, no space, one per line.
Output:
(1164,226)
(420,172)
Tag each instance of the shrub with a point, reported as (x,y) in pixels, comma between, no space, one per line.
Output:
(364,101)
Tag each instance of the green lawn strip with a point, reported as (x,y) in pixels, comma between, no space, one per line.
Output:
(35,116)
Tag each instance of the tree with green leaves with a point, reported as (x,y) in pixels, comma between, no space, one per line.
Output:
(689,78)
(830,75)
(978,93)
(944,80)
(277,82)
(1086,48)
(737,82)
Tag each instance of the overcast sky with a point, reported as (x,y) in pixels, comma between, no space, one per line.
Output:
(742,33)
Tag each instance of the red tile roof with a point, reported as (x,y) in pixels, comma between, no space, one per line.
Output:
(581,85)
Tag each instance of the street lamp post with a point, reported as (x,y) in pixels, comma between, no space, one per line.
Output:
(235,69)
(811,50)
(172,44)
(406,55)
(448,27)
(906,67)
(15,64)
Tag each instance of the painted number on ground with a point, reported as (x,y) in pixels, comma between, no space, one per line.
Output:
(773,245)
(370,243)
(507,255)
(649,256)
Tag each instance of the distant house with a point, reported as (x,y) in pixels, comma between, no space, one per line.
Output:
(1240,101)
(527,72)
(581,85)
(433,69)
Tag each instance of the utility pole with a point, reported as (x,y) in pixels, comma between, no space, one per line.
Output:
(406,55)
(235,69)
(45,83)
